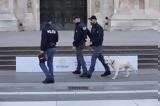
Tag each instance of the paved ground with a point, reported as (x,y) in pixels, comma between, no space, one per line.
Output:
(28,87)
(85,103)
(148,37)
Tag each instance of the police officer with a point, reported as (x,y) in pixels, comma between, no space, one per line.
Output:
(49,38)
(96,38)
(80,36)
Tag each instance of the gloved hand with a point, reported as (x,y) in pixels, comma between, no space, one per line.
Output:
(42,58)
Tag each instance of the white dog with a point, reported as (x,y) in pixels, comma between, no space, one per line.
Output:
(117,66)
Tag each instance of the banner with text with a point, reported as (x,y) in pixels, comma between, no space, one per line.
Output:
(67,63)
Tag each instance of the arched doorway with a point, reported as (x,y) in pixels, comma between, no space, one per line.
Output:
(62,12)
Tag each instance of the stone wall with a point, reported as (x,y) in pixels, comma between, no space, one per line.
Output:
(123,14)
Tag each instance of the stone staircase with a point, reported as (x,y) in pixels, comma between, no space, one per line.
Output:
(147,55)
(159,59)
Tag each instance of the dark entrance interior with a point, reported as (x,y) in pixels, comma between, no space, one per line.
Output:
(62,12)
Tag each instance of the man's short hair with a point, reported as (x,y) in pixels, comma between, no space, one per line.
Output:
(75,17)
(49,18)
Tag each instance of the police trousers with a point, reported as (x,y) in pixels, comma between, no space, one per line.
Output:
(97,53)
(80,59)
(48,71)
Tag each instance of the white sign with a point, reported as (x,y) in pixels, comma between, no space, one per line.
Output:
(67,63)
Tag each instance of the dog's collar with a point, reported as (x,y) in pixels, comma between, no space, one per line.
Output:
(113,62)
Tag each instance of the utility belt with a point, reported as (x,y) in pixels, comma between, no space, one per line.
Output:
(81,43)
(51,45)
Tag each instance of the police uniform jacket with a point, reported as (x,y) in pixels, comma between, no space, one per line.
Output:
(80,34)
(49,37)
(96,35)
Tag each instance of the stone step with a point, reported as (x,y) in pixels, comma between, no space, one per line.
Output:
(147,55)
(79,96)
(70,47)
(85,52)
(148,66)
(135,102)
(7,57)
(8,67)
(86,49)
(68,95)
(148,61)
(7,62)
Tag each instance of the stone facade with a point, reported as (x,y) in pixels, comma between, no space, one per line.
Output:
(8,20)
(19,13)
(135,14)
(123,14)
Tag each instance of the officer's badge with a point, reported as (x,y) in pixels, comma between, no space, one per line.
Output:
(76,31)
(84,28)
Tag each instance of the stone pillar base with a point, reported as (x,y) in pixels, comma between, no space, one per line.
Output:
(8,22)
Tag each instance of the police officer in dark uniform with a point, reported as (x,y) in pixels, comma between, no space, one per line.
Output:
(96,38)
(80,36)
(49,38)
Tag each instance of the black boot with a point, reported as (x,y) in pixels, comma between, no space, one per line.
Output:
(49,80)
(76,72)
(106,73)
(85,75)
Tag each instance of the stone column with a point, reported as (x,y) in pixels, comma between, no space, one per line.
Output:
(106,10)
(110,8)
(147,5)
(20,6)
(154,4)
(36,13)
(142,4)
(4,6)
(89,11)
(89,7)
(8,21)
(11,8)
(116,6)
(20,10)
(106,7)
(32,17)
